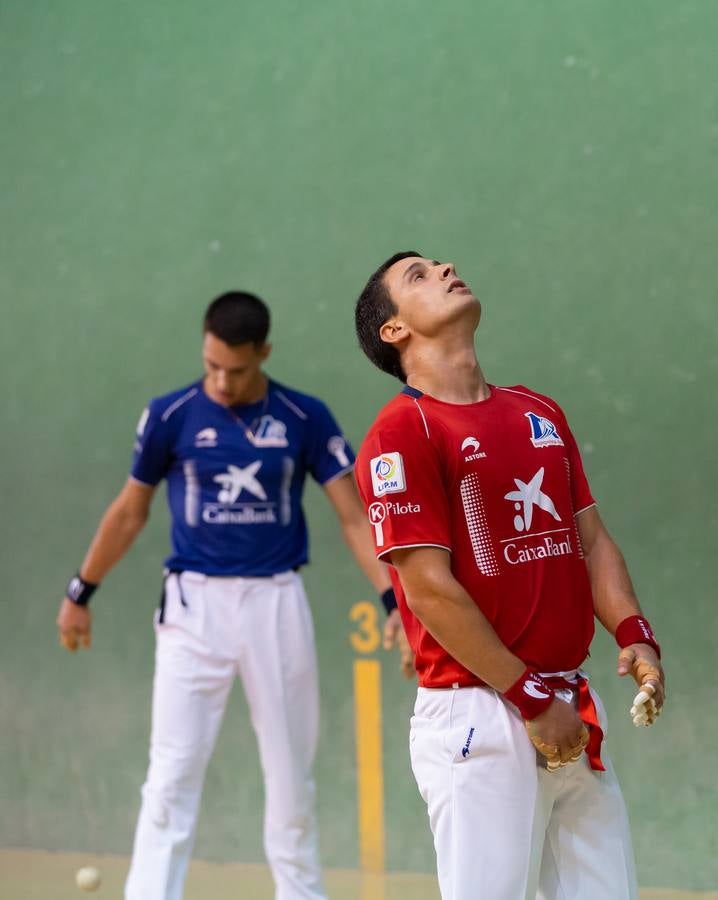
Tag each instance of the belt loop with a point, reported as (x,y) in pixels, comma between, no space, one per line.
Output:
(283,577)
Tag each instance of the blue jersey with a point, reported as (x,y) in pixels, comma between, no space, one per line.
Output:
(235,476)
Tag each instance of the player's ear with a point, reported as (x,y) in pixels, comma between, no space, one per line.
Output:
(264,351)
(393,331)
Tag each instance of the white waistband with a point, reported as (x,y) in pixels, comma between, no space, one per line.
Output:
(278,578)
(570,675)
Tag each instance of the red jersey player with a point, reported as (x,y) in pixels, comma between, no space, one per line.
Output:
(479,502)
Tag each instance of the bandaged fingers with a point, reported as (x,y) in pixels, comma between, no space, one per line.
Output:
(550,752)
(582,744)
(645,710)
(556,755)
(573,754)
(645,667)
(648,702)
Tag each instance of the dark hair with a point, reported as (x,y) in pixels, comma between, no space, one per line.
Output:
(237,318)
(373,308)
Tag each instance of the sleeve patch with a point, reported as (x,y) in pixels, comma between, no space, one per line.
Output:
(337,446)
(387,474)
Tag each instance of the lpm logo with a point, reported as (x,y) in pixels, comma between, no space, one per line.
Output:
(387,474)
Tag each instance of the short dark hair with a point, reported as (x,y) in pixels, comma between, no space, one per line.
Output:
(238,318)
(374,307)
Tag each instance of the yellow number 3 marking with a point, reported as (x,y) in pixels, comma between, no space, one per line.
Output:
(367,637)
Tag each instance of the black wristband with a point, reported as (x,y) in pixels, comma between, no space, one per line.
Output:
(79,590)
(388,600)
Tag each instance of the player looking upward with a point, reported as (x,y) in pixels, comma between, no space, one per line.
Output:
(500,561)
(235,449)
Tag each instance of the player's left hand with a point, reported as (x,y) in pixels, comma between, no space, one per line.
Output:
(642,661)
(554,758)
(395,636)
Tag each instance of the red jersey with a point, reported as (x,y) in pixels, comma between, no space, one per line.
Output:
(498,484)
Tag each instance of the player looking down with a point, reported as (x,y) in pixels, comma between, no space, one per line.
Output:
(500,561)
(235,449)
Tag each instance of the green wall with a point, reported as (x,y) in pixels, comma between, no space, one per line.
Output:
(563,154)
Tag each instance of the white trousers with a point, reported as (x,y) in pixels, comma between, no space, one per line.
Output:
(213,630)
(504,827)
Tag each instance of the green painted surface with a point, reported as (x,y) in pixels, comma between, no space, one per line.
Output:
(152,155)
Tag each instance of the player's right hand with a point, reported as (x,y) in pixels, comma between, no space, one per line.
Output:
(74,624)
(558,734)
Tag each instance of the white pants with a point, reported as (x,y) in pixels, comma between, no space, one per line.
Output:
(213,630)
(505,828)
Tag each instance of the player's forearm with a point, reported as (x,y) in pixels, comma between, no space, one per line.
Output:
(113,538)
(614,598)
(454,620)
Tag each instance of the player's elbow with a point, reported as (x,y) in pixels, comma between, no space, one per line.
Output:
(426,578)
(416,602)
(129,519)
(137,521)
(425,595)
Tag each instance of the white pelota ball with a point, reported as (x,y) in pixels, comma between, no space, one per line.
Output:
(88,878)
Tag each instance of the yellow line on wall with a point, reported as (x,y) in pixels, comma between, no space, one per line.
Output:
(367,712)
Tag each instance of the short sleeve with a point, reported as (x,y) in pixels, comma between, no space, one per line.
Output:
(401,483)
(152,451)
(329,454)
(581,496)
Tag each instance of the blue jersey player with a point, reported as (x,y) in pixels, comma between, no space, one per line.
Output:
(235,449)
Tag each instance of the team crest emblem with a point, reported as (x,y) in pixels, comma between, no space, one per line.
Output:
(543,431)
(270,433)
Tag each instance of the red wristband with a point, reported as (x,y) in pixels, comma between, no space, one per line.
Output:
(530,694)
(636,630)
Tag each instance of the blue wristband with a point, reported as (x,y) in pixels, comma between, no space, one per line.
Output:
(388,600)
(79,590)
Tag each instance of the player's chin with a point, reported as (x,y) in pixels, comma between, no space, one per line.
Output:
(464,306)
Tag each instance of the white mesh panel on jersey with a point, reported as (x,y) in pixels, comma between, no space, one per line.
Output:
(191,494)
(478,525)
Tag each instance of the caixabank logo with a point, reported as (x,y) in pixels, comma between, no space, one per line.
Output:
(387,474)
(534,540)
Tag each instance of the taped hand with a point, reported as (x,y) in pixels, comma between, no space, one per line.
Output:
(642,661)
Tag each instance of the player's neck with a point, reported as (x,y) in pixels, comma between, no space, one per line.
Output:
(451,374)
(256,391)
(253,393)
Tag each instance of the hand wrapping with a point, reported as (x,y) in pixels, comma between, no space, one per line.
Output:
(643,663)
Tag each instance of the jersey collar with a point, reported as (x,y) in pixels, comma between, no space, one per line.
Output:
(412,392)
